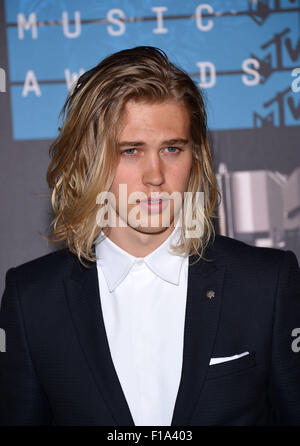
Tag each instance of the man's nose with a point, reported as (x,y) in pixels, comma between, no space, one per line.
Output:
(153,172)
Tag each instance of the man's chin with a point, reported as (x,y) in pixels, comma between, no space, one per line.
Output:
(150,229)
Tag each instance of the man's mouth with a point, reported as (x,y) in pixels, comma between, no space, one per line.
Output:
(153,201)
(157,205)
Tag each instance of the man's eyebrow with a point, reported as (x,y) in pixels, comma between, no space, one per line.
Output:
(171,142)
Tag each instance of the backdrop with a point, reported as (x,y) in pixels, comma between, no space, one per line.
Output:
(245,55)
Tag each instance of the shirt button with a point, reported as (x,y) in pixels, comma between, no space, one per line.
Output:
(139,262)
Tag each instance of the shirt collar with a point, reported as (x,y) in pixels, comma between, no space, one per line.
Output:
(116,263)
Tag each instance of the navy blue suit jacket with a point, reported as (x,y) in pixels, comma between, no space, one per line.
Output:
(57,368)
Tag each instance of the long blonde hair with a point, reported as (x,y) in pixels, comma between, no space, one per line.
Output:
(84,154)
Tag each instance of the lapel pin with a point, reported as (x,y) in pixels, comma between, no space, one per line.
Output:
(210,294)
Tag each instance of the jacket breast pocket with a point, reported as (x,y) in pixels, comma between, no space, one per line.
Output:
(233,366)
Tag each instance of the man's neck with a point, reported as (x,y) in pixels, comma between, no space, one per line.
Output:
(136,242)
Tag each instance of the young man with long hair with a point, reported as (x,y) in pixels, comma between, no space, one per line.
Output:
(145,316)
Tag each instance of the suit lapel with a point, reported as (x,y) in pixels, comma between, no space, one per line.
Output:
(201,322)
(84,301)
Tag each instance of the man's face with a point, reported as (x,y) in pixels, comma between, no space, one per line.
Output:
(155,156)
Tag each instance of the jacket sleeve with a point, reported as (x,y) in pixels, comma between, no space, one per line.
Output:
(22,400)
(284,384)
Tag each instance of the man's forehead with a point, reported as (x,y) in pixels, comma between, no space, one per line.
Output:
(164,123)
(148,102)
(161,114)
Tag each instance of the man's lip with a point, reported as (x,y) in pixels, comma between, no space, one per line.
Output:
(149,200)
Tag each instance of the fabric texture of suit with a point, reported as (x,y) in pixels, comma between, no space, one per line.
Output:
(57,368)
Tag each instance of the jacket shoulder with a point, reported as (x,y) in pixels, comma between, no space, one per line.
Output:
(227,249)
(44,268)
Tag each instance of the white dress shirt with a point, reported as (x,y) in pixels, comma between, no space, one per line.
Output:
(143,302)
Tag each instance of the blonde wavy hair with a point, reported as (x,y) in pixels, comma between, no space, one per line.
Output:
(84,155)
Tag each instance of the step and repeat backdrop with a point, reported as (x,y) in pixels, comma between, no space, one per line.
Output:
(244,55)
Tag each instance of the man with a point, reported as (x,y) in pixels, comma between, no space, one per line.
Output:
(136,323)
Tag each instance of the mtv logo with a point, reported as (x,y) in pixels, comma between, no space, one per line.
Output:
(263,121)
(2,341)
(265,67)
(259,10)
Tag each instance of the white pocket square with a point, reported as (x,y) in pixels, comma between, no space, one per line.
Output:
(226,358)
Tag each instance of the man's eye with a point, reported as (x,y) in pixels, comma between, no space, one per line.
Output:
(131,152)
(173,149)
(128,152)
